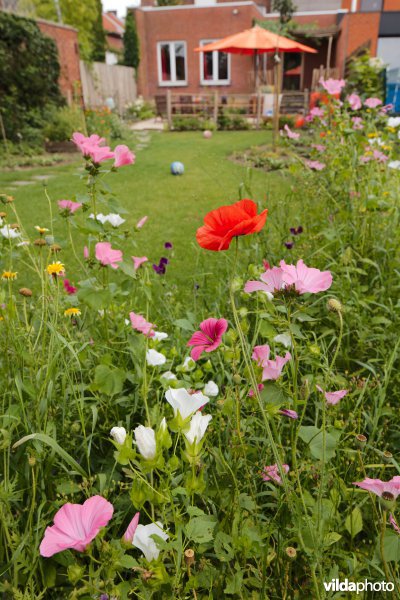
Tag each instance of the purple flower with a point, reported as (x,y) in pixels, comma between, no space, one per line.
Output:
(161,267)
(296,230)
(292,414)
(168,245)
(289,245)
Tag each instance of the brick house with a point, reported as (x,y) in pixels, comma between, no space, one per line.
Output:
(66,39)
(336,28)
(114,29)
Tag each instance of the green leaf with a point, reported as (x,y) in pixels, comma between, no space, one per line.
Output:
(184,324)
(46,439)
(391,546)
(222,546)
(354,522)
(200,529)
(234,583)
(108,379)
(331,538)
(95,298)
(314,437)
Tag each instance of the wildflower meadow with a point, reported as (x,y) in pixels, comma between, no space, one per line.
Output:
(240,442)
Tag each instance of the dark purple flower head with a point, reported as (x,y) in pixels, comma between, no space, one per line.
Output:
(296,230)
(289,245)
(168,245)
(69,288)
(161,267)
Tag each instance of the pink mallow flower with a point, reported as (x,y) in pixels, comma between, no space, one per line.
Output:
(76,525)
(372,102)
(380,157)
(271,282)
(355,101)
(333,397)
(141,222)
(140,324)
(208,338)
(85,252)
(317,112)
(286,412)
(388,490)
(123,156)
(68,287)
(315,165)
(318,147)
(271,473)
(99,154)
(107,256)
(291,134)
(332,86)
(131,529)
(272,369)
(306,279)
(86,143)
(357,123)
(138,261)
(69,205)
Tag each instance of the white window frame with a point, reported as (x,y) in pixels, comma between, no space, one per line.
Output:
(173,81)
(215,67)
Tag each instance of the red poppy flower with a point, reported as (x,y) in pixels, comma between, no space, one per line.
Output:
(227,222)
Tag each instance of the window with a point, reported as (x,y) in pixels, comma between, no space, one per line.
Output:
(171,58)
(214,67)
(371,5)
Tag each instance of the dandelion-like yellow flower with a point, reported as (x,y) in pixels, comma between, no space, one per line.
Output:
(391,129)
(9,275)
(56,268)
(41,230)
(72,312)
(372,135)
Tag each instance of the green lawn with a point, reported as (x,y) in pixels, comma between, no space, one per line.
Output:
(175,205)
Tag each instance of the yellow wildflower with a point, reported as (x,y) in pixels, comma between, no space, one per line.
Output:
(41,230)
(8,275)
(56,268)
(372,135)
(72,312)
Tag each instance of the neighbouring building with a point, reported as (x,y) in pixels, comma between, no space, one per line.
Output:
(66,39)
(338,29)
(114,29)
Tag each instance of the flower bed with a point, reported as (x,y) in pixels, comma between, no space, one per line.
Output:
(224,449)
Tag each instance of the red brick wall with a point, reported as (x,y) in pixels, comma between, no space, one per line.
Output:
(66,39)
(193,25)
(356,29)
(390,5)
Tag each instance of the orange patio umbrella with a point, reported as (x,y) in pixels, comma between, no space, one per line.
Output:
(256,41)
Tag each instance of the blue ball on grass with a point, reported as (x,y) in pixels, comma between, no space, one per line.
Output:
(177,168)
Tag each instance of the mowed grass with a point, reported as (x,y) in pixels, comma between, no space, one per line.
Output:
(175,205)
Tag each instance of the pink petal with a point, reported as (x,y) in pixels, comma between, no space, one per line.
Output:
(130,531)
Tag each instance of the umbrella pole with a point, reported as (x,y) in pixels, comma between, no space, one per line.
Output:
(277,86)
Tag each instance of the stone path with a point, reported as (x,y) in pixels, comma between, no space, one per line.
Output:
(148,124)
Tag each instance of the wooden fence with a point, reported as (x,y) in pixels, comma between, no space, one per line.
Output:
(216,106)
(100,82)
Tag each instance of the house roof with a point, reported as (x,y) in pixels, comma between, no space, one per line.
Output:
(112,24)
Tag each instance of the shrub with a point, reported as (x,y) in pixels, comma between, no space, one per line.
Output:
(26,88)
(63,122)
(104,122)
(366,75)
(191,123)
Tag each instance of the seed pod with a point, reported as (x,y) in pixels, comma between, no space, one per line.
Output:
(189,557)
(25,292)
(334,305)
(291,552)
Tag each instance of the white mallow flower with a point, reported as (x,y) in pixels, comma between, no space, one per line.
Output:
(393,121)
(198,426)
(184,403)
(119,434)
(284,339)
(169,375)
(159,336)
(394,164)
(154,358)
(146,441)
(9,233)
(114,219)
(211,389)
(145,543)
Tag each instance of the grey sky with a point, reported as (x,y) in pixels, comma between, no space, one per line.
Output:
(119,5)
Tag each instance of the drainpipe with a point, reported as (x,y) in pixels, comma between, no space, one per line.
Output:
(353,5)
